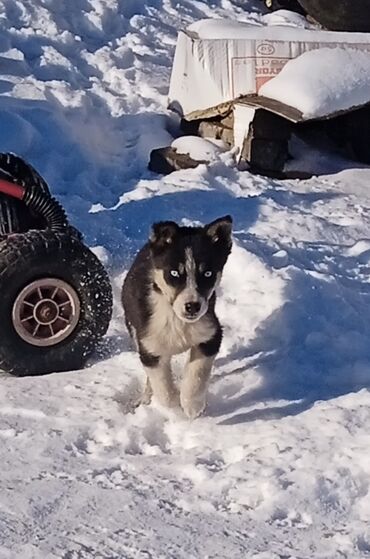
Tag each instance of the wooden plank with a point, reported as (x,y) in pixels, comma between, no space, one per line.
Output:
(288,112)
(259,102)
(273,106)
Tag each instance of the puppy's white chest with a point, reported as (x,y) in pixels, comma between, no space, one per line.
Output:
(168,335)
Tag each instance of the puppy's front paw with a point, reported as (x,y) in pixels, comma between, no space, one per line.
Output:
(193,406)
(168,398)
(145,399)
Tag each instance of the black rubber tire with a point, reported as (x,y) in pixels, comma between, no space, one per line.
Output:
(42,254)
(340,15)
(357,134)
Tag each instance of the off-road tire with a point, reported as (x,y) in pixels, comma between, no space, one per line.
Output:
(340,15)
(30,257)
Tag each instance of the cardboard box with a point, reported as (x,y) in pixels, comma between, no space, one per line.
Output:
(209,73)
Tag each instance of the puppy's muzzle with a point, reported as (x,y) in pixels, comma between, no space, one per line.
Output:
(192,309)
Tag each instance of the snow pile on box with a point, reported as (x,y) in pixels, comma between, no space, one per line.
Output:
(233,29)
(323,82)
(217,61)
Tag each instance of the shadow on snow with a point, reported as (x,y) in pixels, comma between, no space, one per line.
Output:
(315,347)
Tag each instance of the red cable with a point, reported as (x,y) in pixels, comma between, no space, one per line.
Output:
(11,189)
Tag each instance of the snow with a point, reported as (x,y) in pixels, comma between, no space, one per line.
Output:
(200,149)
(287,18)
(323,81)
(253,27)
(277,26)
(278,465)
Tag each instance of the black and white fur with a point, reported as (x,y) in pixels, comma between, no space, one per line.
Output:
(169,297)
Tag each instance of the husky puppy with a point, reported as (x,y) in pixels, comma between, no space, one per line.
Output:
(169,297)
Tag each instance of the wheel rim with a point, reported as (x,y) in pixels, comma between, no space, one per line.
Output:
(46,312)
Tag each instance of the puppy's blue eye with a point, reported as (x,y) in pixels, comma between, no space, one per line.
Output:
(207,274)
(175,273)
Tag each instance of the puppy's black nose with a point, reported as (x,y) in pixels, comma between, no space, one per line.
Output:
(193,307)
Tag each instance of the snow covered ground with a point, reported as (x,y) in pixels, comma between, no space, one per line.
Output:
(278,466)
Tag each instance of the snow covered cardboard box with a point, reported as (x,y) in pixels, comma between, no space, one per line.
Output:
(218,61)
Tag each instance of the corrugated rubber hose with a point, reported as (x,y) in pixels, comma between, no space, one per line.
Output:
(44,205)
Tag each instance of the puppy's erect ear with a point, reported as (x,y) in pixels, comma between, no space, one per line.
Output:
(163,234)
(220,230)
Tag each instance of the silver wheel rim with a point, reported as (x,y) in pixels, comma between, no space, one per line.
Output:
(46,312)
